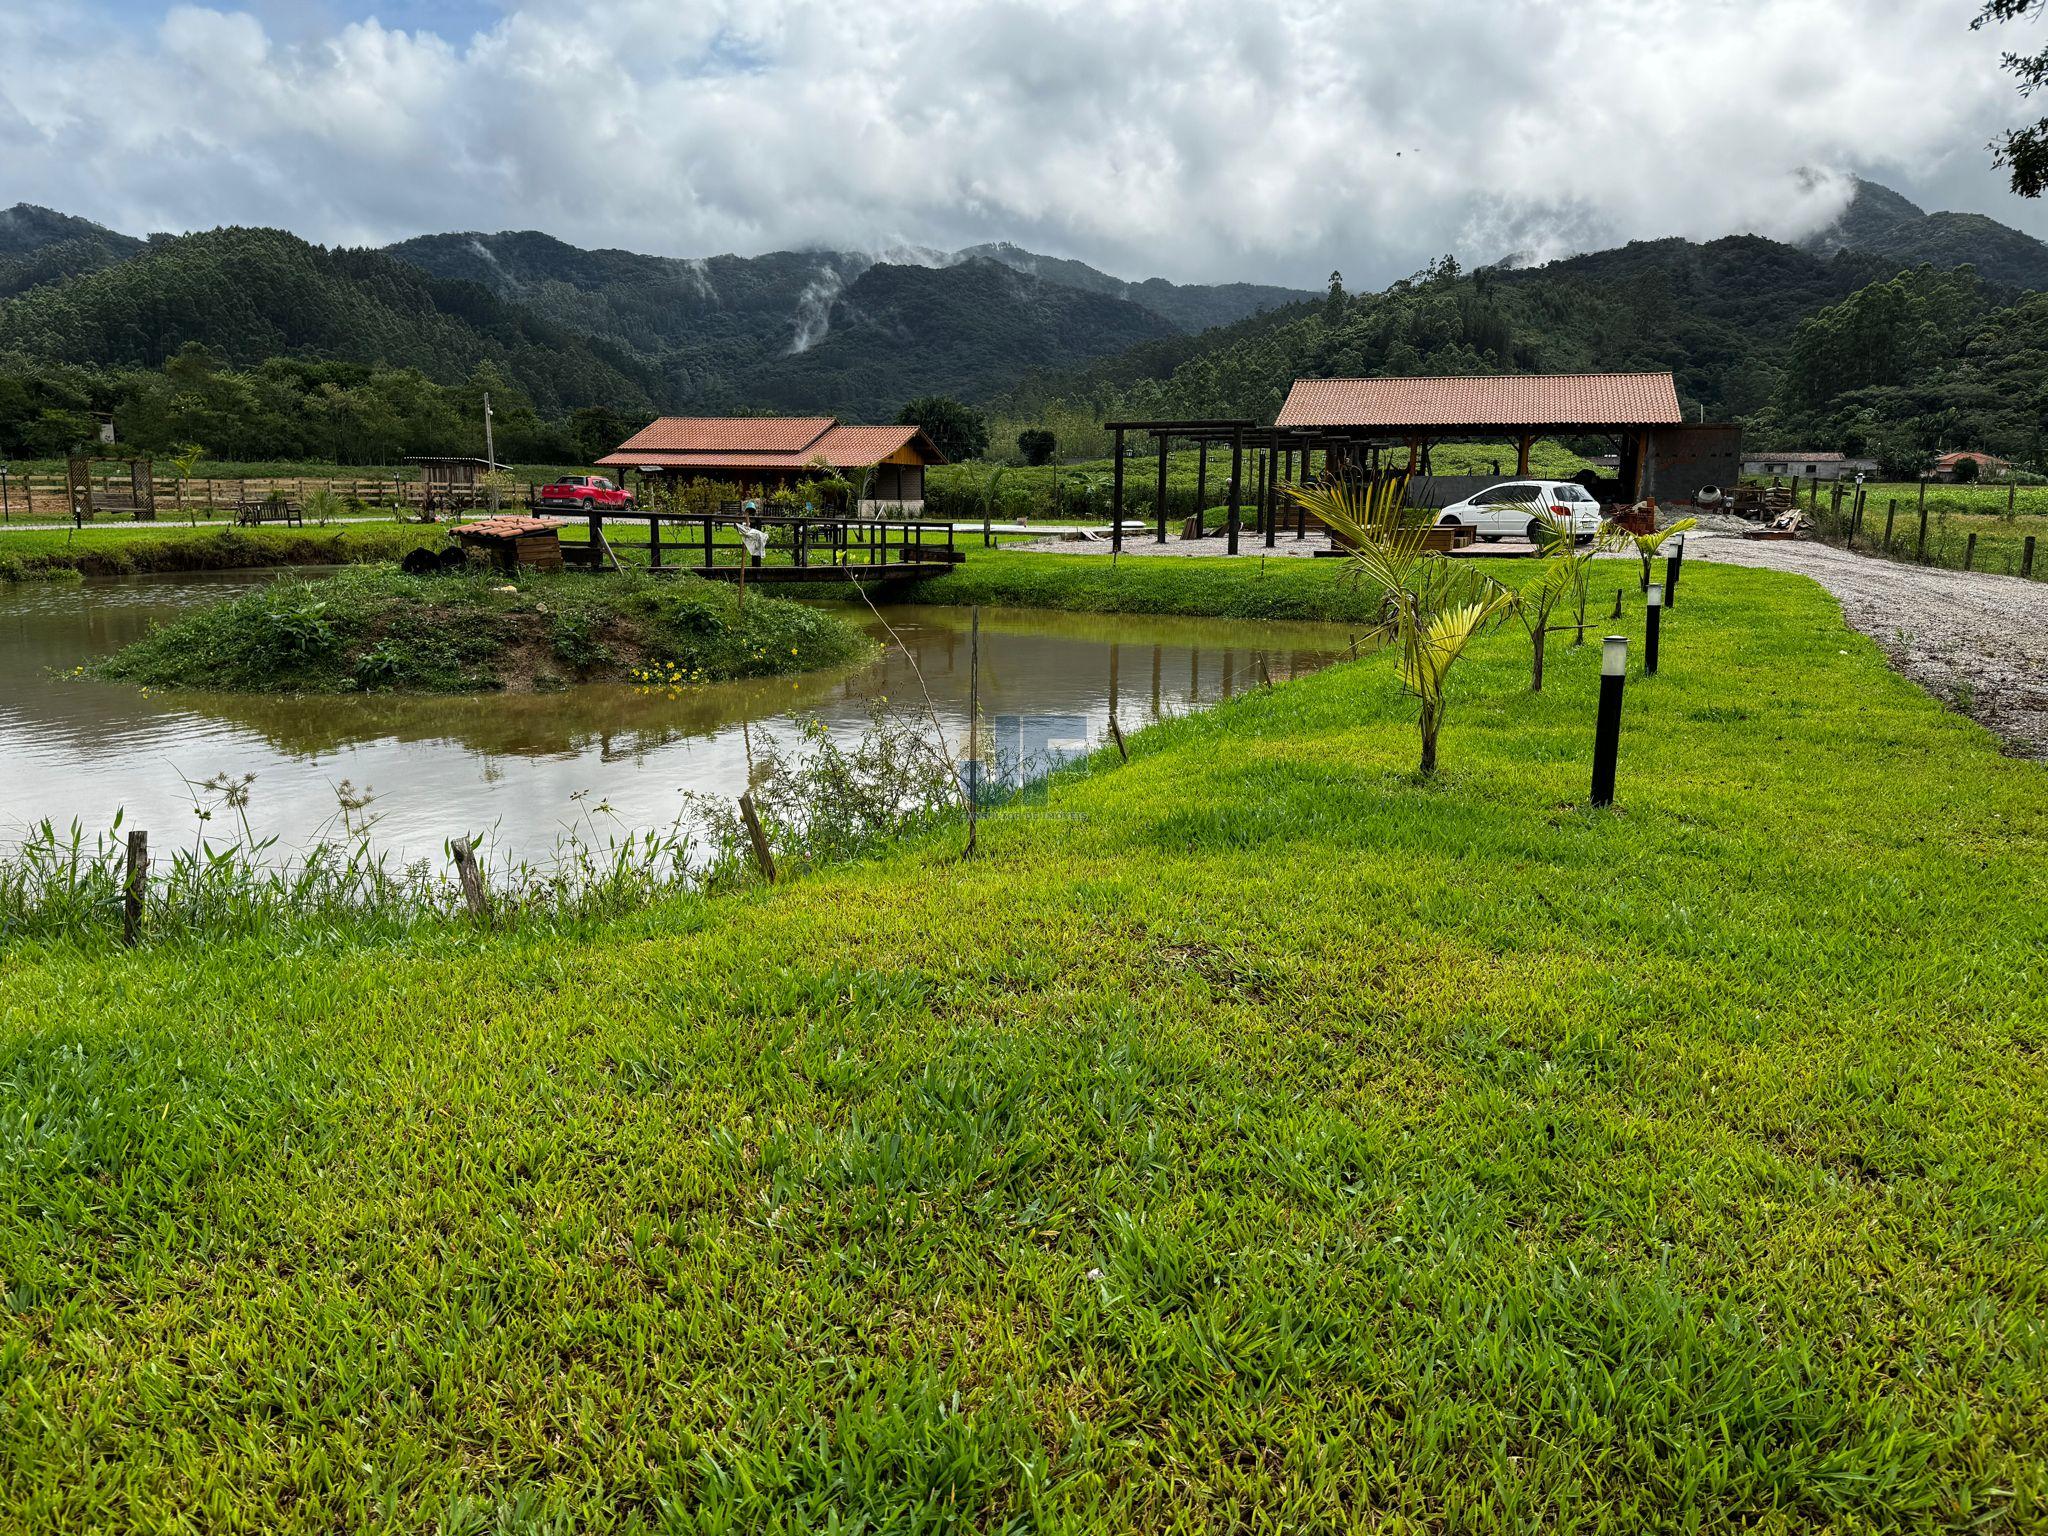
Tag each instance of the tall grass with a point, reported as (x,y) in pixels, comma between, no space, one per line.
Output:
(821,802)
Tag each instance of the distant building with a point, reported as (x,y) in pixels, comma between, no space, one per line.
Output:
(1989,466)
(1810,464)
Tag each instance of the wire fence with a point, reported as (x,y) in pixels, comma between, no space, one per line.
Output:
(1990,529)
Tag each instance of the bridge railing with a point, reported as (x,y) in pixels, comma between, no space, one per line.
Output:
(704,541)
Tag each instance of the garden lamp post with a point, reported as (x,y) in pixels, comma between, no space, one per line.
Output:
(1653,614)
(1672,567)
(1607,725)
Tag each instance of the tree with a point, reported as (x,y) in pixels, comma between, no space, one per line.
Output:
(1965,472)
(956,429)
(1036,445)
(2024,151)
(1430,608)
(1333,306)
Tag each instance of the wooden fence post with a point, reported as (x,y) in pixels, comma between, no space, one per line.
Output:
(2027,556)
(1891,511)
(473,890)
(133,887)
(974,725)
(757,837)
(1920,550)
(1117,732)
(1970,551)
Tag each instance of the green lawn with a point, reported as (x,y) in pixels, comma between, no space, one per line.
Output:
(1250,1137)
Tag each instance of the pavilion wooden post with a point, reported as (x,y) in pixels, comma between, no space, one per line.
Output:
(1236,482)
(1522,446)
(1268,504)
(1116,491)
(1159,494)
(1201,488)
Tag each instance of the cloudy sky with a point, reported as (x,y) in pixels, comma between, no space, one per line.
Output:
(1204,140)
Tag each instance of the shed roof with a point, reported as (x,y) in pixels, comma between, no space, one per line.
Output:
(758,442)
(1528,401)
(505,526)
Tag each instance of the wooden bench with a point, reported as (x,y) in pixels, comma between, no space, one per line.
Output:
(1437,539)
(251,514)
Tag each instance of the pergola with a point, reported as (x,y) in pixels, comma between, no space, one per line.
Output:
(1277,457)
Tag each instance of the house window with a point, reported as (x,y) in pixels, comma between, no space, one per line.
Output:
(1810,469)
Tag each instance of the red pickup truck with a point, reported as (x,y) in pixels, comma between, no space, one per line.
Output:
(582,493)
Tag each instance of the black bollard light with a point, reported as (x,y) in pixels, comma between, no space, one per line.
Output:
(1653,613)
(1607,725)
(1672,566)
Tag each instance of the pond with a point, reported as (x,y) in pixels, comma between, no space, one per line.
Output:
(524,769)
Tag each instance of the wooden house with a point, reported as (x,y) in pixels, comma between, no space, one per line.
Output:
(757,455)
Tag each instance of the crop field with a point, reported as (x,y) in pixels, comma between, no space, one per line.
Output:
(1249,1136)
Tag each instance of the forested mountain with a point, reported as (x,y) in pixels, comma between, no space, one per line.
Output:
(1831,352)
(967,330)
(1878,222)
(40,246)
(1188,307)
(248,295)
(725,325)
(1720,315)
(242,338)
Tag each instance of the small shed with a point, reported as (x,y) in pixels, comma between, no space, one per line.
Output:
(447,482)
(510,542)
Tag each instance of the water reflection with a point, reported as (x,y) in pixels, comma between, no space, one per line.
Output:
(531,765)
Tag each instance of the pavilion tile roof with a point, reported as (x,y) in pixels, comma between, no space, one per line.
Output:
(761,442)
(1485,403)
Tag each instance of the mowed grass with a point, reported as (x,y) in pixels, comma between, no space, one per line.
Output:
(1250,1137)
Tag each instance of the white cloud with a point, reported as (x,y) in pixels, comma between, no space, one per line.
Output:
(1204,139)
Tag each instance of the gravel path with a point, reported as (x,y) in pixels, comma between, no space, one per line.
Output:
(1975,641)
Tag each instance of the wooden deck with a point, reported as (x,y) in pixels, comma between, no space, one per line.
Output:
(896,570)
(815,548)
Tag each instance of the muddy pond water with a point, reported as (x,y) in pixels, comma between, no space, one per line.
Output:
(526,768)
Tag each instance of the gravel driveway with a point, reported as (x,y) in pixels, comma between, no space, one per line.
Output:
(1975,641)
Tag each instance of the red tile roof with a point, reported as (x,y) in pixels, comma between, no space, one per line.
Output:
(1525,401)
(728,434)
(677,442)
(857,447)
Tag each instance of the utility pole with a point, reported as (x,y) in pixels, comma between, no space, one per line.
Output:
(491,451)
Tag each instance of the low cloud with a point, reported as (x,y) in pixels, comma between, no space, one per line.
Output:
(1204,140)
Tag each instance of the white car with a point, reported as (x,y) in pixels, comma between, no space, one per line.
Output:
(1510,510)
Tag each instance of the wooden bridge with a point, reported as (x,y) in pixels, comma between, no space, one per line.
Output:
(799,548)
